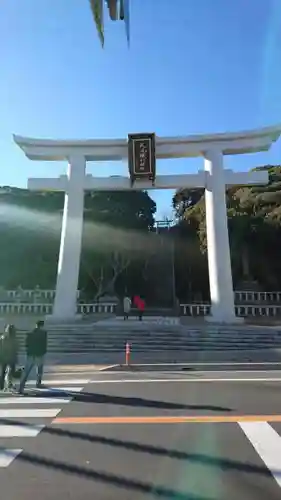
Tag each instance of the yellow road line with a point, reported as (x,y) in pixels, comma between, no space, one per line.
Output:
(168,420)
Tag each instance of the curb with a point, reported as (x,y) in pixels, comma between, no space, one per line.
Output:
(77,368)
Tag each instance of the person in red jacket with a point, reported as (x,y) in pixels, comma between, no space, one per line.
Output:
(140,305)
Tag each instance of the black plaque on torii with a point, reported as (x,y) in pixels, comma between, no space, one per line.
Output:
(141,157)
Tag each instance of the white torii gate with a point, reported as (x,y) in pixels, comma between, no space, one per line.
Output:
(214,178)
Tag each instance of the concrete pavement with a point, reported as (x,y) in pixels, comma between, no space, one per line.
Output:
(202,356)
(159,435)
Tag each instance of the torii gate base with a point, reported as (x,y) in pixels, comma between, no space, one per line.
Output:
(214,179)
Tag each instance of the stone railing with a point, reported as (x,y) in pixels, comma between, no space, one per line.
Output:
(13,308)
(251,310)
(49,295)
(104,308)
(31,295)
(242,297)
(247,296)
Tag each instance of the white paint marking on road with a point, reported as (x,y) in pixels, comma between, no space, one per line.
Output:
(152,380)
(78,381)
(33,401)
(27,430)
(267,444)
(54,390)
(8,456)
(185,373)
(177,372)
(104,368)
(241,372)
(212,363)
(30,413)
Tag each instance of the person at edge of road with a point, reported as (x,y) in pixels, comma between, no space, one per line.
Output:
(8,357)
(127,303)
(140,305)
(36,348)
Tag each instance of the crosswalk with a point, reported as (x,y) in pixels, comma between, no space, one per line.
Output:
(24,417)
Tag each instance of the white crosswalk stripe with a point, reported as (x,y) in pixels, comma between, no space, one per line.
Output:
(63,389)
(8,456)
(32,401)
(24,430)
(267,443)
(20,415)
(59,382)
(30,413)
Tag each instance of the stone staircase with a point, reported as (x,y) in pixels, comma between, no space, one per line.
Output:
(133,322)
(158,335)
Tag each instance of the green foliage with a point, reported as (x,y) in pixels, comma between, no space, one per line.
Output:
(97,11)
(117,10)
(120,249)
(116,225)
(130,210)
(254,221)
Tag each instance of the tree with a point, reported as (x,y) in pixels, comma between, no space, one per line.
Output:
(185,199)
(254,221)
(122,209)
(104,271)
(116,233)
(122,251)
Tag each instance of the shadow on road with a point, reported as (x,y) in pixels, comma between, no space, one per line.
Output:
(200,458)
(90,397)
(110,479)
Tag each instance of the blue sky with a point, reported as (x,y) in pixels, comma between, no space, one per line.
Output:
(206,66)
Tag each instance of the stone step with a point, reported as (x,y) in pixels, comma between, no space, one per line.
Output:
(162,336)
(168,344)
(162,333)
(89,346)
(160,340)
(62,349)
(179,332)
(169,324)
(121,345)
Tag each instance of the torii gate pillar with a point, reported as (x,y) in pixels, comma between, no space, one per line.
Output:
(214,179)
(65,303)
(219,261)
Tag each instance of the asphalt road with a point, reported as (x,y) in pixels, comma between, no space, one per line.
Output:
(171,435)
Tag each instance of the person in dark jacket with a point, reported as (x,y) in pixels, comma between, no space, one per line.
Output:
(36,348)
(8,357)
